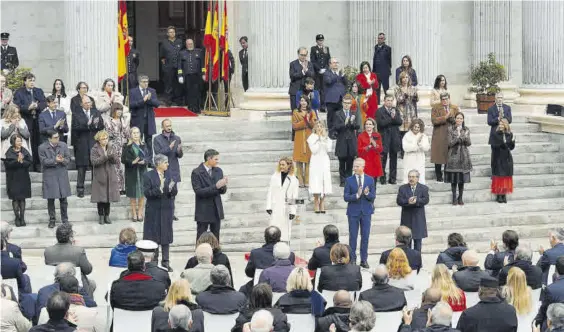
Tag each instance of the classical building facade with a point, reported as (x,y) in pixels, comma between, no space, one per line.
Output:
(75,40)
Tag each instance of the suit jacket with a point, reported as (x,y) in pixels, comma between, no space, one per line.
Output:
(494,261)
(261,258)
(334,86)
(468,278)
(9,58)
(22,98)
(382,60)
(553,294)
(420,317)
(549,258)
(388,128)
(161,145)
(142,112)
(11,268)
(532,272)
(136,291)
(340,277)
(413,256)
(413,215)
(66,252)
(364,205)
(46,122)
(277,274)
(16,252)
(244,60)
(75,103)
(345,132)
(319,59)
(384,298)
(489,315)
(297,76)
(493,118)
(209,207)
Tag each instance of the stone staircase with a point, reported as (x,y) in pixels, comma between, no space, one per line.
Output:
(249,151)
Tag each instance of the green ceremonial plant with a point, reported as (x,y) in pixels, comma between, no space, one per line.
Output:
(15,78)
(486,76)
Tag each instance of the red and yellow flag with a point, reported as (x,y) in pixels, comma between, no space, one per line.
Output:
(123,40)
(211,43)
(224,42)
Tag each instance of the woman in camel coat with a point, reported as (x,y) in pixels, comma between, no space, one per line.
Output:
(105,184)
(441,116)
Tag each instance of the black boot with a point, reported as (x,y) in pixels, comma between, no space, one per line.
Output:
(22,212)
(383,179)
(499,199)
(107,214)
(16,208)
(453,188)
(438,173)
(101,220)
(460,192)
(504,198)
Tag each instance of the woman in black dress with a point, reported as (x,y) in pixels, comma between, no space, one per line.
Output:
(502,166)
(18,184)
(459,165)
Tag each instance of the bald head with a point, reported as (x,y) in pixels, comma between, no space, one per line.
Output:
(380,275)
(342,299)
(204,253)
(470,258)
(432,296)
(189,44)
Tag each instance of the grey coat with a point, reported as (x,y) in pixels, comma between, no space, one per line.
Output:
(458,159)
(55,175)
(66,252)
(105,184)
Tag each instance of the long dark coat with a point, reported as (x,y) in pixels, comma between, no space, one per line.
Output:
(142,112)
(161,144)
(209,207)
(18,183)
(55,175)
(82,134)
(388,128)
(346,145)
(413,215)
(76,102)
(159,209)
(441,120)
(489,315)
(458,155)
(134,172)
(105,184)
(502,160)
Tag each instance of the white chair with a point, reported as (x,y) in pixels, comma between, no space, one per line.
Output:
(535,295)
(524,321)
(299,322)
(276,296)
(388,321)
(258,272)
(551,271)
(317,274)
(213,322)
(328,296)
(413,298)
(472,299)
(366,280)
(456,318)
(138,321)
(14,284)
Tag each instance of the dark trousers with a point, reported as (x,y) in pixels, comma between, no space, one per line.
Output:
(34,139)
(362,222)
(172,87)
(332,109)
(319,86)
(51,209)
(245,79)
(383,83)
(293,106)
(166,253)
(103,209)
(192,86)
(392,175)
(345,167)
(202,227)
(417,243)
(438,172)
(80,177)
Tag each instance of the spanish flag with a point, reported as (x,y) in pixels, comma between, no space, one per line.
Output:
(211,42)
(225,43)
(123,40)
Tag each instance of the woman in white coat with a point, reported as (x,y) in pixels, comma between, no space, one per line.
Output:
(415,144)
(319,166)
(282,192)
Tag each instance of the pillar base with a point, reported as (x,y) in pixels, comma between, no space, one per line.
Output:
(264,99)
(534,101)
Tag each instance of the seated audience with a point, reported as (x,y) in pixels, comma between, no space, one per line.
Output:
(220,297)
(262,321)
(301,298)
(451,294)
(321,254)
(362,318)
(126,245)
(11,318)
(149,250)
(11,268)
(420,316)
(553,293)
(57,307)
(403,241)
(341,275)
(87,319)
(135,289)
(548,258)
(219,258)
(495,258)
(399,271)
(524,261)
(453,254)
(199,275)
(277,275)
(491,314)
(440,318)
(517,293)
(14,250)
(383,296)
(261,299)
(179,293)
(66,251)
(180,319)
(338,314)
(555,318)
(469,275)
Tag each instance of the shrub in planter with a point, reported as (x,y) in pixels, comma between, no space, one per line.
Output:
(485,78)
(15,78)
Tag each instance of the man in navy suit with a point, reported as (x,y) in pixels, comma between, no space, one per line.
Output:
(335,84)
(360,193)
(403,241)
(299,70)
(382,64)
(553,293)
(142,102)
(496,112)
(548,258)
(31,100)
(53,118)
(412,197)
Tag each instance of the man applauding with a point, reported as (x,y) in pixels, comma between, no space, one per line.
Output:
(412,197)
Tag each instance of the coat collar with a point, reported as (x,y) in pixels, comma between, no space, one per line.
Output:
(336,310)
(282,262)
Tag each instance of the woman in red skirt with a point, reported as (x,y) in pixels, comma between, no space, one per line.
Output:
(369,144)
(368,82)
(502,161)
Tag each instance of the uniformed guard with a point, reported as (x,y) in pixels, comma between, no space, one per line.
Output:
(10,59)
(149,249)
(132,64)
(190,73)
(169,52)
(319,57)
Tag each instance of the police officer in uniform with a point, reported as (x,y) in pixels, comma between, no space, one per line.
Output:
(190,66)
(319,57)
(132,65)
(169,51)
(149,249)
(10,59)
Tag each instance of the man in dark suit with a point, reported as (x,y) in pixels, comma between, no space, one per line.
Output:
(403,241)
(496,113)
(344,129)
(14,250)
(548,258)
(170,54)
(388,120)
(31,101)
(338,314)
(420,316)
(319,57)
(299,70)
(523,260)
(382,64)
(190,63)
(382,296)
(85,124)
(132,64)
(10,59)
(53,119)
(553,293)
(321,254)
(334,87)
(360,193)
(209,184)
(468,276)
(244,59)
(495,258)
(412,197)
(142,102)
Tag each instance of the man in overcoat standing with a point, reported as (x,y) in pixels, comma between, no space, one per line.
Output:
(345,128)
(388,121)
(412,197)
(142,102)
(382,64)
(209,184)
(299,70)
(334,82)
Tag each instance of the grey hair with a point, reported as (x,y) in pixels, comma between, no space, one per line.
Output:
(142,77)
(558,233)
(362,316)
(180,316)
(555,314)
(262,321)
(204,253)
(441,314)
(523,253)
(414,171)
(5,230)
(219,275)
(380,275)
(302,48)
(65,269)
(160,158)
(281,251)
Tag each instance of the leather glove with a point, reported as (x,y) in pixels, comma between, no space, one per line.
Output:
(292,216)
(269,211)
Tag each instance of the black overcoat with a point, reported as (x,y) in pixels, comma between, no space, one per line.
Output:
(388,128)
(159,209)
(502,160)
(209,207)
(18,182)
(413,215)
(489,315)
(346,145)
(82,136)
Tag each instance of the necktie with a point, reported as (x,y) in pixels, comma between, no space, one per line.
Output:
(210,172)
(144,92)
(53,116)
(347,114)
(413,190)
(88,114)
(359,182)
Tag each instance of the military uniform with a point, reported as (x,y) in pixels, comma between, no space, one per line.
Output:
(170,51)
(319,57)
(132,65)
(190,65)
(9,54)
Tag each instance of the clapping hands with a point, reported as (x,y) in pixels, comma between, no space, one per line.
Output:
(366,190)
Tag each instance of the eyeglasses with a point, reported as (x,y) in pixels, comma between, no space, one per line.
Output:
(303,54)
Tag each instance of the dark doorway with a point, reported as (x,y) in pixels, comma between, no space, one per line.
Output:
(189,18)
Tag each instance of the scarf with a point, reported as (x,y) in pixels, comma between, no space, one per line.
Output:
(77,299)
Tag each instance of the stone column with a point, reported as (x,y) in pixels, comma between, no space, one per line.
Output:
(273,28)
(366,20)
(90,42)
(543,48)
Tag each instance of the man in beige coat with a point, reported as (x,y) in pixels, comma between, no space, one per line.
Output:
(199,276)
(442,116)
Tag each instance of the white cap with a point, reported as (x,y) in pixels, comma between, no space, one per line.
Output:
(146,245)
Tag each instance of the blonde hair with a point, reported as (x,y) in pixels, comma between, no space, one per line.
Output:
(130,140)
(100,135)
(339,254)
(402,75)
(506,126)
(299,280)
(178,291)
(10,111)
(397,264)
(128,236)
(322,131)
(442,280)
(288,161)
(516,291)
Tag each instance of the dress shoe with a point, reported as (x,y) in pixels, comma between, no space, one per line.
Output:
(51,223)
(460,202)
(80,194)
(364,265)
(107,220)
(392,182)
(166,266)
(383,179)
(174,218)
(101,220)
(499,199)
(503,199)
(342,184)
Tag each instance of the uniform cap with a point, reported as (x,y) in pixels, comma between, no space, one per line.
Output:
(146,245)
(4,36)
(319,37)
